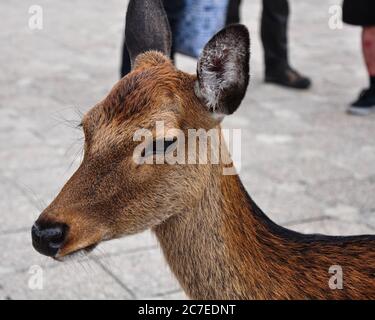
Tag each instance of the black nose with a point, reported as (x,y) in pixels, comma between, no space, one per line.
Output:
(48,237)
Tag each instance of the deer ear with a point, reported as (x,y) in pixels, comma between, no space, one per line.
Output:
(147,28)
(223,70)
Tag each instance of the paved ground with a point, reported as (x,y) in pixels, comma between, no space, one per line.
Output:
(310,166)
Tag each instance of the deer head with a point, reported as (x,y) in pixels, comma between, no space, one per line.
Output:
(110,195)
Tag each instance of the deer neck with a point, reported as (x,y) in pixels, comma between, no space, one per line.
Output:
(217,245)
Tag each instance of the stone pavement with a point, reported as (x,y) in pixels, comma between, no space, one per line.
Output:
(310,166)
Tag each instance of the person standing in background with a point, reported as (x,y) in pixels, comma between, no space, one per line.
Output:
(274,27)
(362,13)
(274,35)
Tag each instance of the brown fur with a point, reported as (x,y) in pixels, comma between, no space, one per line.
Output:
(215,239)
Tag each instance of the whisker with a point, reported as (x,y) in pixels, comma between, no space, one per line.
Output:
(92,265)
(82,264)
(106,260)
(37,202)
(78,153)
(71,123)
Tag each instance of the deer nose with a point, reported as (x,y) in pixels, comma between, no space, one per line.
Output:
(48,238)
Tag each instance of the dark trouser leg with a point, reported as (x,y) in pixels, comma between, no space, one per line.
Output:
(274,27)
(233,13)
(125,62)
(173,9)
(365,104)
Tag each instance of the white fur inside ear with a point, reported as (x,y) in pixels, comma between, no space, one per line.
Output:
(220,69)
(212,107)
(218,116)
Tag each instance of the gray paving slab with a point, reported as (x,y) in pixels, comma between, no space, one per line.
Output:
(84,280)
(145,273)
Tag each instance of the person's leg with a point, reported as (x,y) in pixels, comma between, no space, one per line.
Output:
(174,9)
(368,45)
(274,35)
(233,13)
(366,101)
(274,24)
(125,61)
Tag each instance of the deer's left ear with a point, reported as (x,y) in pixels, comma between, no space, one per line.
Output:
(147,28)
(223,70)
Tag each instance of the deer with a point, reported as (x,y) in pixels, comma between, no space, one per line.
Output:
(217,242)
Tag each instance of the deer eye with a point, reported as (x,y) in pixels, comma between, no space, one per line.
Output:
(158,147)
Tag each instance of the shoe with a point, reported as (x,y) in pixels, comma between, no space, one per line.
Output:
(364,105)
(288,78)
